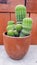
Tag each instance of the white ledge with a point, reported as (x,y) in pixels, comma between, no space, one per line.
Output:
(29,59)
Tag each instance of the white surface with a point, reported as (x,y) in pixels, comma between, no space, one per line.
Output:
(29,59)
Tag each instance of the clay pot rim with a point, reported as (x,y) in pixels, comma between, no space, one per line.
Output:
(15,37)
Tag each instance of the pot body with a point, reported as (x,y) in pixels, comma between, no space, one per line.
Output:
(16,47)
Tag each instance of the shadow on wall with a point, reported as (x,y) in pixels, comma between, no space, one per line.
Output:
(3,1)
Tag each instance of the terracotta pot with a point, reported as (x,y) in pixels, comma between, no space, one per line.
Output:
(16,47)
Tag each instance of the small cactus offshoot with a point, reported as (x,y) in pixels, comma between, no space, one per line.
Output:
(18,27)
(20,11)
(27,25)
(10,22)
(10,33)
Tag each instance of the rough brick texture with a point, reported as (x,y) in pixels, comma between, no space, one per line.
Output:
(31,5)
(34,28)
(4,17)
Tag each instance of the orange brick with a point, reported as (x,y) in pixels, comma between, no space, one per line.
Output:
(31,5)
(13,17)
(14,3)
(27,15)
(4,17)
(34,28)
(10,6)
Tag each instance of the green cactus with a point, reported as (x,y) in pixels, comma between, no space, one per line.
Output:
(18,27)
(16,34)
(20,12)
(10,33)
(21,34)
(23,26)
(24,33)
(27,24)
(10,27)
(10,23)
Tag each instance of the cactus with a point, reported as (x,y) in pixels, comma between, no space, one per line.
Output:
(10,23)
(23,29)
(18,27)
(27,25)
(10,33)
(25,32)
(10,27)
(16,34)
(20,12)
(21,34)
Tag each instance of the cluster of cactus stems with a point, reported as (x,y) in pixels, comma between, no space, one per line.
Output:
(23,24)
(27,26)
(20,12)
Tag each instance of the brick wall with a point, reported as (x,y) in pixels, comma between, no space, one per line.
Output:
(7,12)
(32,9)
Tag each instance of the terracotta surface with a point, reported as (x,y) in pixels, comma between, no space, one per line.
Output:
(10,6)
(13,17)
(31,5)
(34,28)
(27,15)
(4,17)
(16,47)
